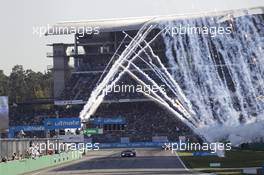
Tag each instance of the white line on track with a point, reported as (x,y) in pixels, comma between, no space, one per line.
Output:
(181,161)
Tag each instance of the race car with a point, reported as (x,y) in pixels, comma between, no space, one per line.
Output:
(128,153)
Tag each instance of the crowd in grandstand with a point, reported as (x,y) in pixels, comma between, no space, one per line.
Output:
(144,120)
(24,115)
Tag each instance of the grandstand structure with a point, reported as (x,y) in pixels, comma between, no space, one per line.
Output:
(91,54)
(97,44)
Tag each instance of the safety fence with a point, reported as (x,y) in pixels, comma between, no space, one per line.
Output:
(17,167)
(132,145)
(19,146)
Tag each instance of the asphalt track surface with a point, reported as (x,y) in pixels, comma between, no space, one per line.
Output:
(109,162)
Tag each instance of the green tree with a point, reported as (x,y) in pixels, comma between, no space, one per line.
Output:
(3,84)
(25,85)
(17,85)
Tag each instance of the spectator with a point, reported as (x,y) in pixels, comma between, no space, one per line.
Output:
(4,159)
(14,156)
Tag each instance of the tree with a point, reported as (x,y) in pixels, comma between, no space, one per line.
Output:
(3,84)
(17,85)
(24,85)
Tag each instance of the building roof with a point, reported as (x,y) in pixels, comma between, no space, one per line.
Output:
(117,24)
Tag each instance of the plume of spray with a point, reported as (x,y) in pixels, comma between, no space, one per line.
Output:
(200,83)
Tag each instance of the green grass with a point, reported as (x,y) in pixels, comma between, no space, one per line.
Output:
(233,159)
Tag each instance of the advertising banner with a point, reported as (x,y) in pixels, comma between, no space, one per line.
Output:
(62,123)
(160,139)
(28,128)
(71,138)
(68,102)
(132,145)
(102,121)
(14,129)
(4,112)
(92,131)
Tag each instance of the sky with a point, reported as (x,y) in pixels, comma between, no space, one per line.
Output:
(18,18)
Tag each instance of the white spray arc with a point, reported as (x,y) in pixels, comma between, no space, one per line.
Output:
(202,97)
(223,76)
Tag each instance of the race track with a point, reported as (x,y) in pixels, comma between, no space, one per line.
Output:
(109,162)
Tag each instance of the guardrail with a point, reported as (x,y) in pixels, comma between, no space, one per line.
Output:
(20,146)
(132,145)
(17,167)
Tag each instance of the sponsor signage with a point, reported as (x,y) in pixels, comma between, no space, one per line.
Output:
(62,123)
(131,145)
(250,171)
(215,165)
(4,110)
(92,131)
(202,153)
(28,128)
(71,138)
(101,121)
(68,102)
(160,139)
(14,129)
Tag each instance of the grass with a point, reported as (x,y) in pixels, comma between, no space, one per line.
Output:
(234,159)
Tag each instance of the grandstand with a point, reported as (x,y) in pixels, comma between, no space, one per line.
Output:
(97,44)
(91,54)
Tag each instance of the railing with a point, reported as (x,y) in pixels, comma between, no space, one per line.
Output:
(10,146)
(80,53)
(17,167)
(72,53)
(68,54)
